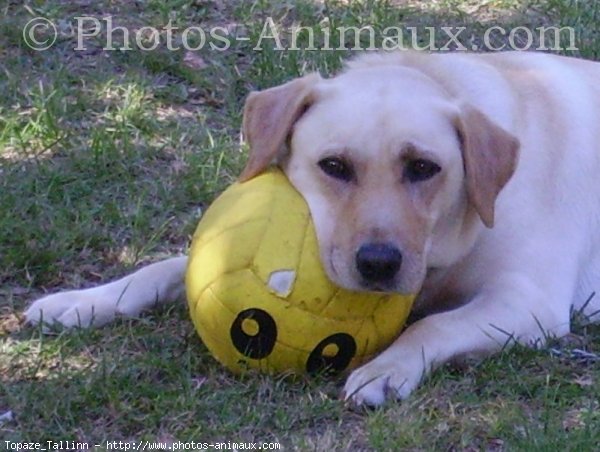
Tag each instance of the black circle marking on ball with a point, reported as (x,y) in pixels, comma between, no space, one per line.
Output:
(261,344)
(317,362)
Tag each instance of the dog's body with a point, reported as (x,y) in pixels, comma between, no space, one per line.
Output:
(473,179)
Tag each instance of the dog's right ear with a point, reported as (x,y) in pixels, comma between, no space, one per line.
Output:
(269,116)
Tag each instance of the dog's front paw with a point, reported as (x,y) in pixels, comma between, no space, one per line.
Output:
(77,308)
(372,383)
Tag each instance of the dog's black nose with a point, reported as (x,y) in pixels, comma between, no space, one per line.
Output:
(378,262)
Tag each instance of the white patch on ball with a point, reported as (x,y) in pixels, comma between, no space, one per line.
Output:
(282,282)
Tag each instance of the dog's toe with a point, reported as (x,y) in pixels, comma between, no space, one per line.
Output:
(70,310)
(48,309)
(374,382)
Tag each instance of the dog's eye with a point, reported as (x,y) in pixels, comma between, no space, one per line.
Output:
(337,168)
(420,169)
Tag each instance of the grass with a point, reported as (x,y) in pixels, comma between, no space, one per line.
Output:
(107,158)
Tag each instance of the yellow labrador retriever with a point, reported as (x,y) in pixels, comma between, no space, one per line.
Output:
(471,179)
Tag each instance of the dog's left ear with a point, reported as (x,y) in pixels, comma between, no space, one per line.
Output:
(490,156)
(269,116)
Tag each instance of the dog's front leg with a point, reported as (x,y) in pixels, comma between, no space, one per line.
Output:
(510,310)
(159,283)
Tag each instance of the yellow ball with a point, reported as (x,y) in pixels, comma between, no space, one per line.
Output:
(259,297)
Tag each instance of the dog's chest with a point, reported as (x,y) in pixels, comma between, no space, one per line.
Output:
(443,289)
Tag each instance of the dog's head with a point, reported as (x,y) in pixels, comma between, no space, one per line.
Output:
(397,176)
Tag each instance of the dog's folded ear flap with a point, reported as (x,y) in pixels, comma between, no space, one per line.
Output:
(490,157)
(269,116)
